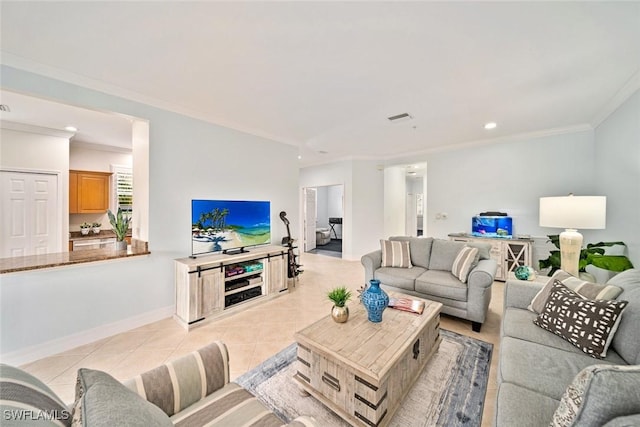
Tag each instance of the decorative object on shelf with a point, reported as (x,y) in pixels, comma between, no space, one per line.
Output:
(593,254)
(96,227)
(524,272)
(573,212)
(120,224)
(339,296)
(375,300)
(85,227)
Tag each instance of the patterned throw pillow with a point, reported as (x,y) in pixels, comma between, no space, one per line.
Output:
(587,324)
(598,394)
(464,262)
(395,253)
(579,286)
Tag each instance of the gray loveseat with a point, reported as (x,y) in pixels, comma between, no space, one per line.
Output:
(536,366)
(430,276)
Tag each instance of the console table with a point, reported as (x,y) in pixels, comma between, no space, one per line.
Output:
(213,285)
(508,253)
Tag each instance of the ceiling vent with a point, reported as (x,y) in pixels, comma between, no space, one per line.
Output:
(400,118)
(5,108)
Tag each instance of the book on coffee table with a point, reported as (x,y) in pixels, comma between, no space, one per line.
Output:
(407,304)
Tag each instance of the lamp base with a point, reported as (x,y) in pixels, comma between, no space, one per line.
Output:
(570,247)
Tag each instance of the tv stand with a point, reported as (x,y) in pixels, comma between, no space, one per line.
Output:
(236,251)
(216,285)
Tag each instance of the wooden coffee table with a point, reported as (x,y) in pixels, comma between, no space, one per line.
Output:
(362,370)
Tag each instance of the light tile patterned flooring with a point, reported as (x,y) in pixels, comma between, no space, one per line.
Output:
(251,335)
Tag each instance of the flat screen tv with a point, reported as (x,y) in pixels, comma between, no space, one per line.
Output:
(492,226)
(229,226)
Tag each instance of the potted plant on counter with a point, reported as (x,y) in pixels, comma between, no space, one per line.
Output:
(120,224)
(339,296)
(96,227)
(85,227)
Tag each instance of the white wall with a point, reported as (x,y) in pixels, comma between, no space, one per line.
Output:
(509,177)
(40,152)
(395,195)
(617,176)
(46,310)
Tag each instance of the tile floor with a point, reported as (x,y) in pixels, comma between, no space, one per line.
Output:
(252,335)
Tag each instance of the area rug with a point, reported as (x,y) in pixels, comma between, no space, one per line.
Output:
(449,392)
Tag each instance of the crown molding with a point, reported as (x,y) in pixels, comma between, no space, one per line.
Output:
(630,87)
(21,127)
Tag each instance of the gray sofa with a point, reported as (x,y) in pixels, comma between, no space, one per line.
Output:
(192,390)
(430,276)
(536,367)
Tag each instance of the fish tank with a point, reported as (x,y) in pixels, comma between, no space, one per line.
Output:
(492,226)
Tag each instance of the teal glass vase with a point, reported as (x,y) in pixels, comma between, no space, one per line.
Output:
(375,300)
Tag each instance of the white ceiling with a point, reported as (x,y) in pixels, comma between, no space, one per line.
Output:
(326,75)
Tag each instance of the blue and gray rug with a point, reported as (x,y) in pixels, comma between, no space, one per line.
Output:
(449,392)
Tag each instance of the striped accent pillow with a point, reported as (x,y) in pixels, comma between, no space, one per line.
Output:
(23,397)
(186,380)
(395,253)
(594,291)
(464,262)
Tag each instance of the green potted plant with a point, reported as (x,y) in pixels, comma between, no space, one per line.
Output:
(96,227)
(593,254)
(339,296)
(85,227)
(120,224)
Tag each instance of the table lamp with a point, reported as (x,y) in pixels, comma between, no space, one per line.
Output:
(572,212)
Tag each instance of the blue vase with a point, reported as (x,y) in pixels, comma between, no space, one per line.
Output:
(375,300)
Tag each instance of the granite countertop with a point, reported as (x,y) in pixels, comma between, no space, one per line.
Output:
(58,259)
(104,234)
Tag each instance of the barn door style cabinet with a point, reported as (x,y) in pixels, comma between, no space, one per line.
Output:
(213,285)
(508,253)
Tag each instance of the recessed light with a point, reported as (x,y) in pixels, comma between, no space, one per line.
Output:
(71,128)
(299,157)
(490,125)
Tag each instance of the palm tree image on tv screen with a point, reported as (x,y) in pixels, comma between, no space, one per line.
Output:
(225,225)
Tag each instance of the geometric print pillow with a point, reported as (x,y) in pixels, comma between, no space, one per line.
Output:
(587,324)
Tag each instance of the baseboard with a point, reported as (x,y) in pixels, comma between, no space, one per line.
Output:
(49,348)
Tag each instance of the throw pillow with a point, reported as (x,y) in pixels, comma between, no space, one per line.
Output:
(598,394)
(395,254)
(587,324)
(464,262)
(22,392)
(579,286)
(101,400)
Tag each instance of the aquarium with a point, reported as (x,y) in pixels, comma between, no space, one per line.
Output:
(492,226)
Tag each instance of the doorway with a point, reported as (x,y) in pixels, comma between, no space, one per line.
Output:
(324,212)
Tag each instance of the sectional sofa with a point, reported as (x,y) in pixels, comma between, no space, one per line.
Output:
(430,275)
(545,380)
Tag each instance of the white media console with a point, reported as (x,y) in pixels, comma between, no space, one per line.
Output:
(210,286)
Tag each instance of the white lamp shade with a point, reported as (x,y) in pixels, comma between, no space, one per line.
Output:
(574,212)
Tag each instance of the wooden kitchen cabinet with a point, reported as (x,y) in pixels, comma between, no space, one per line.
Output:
(88,191)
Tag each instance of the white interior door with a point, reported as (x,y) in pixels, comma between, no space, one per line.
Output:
(29,214)
(310,218)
